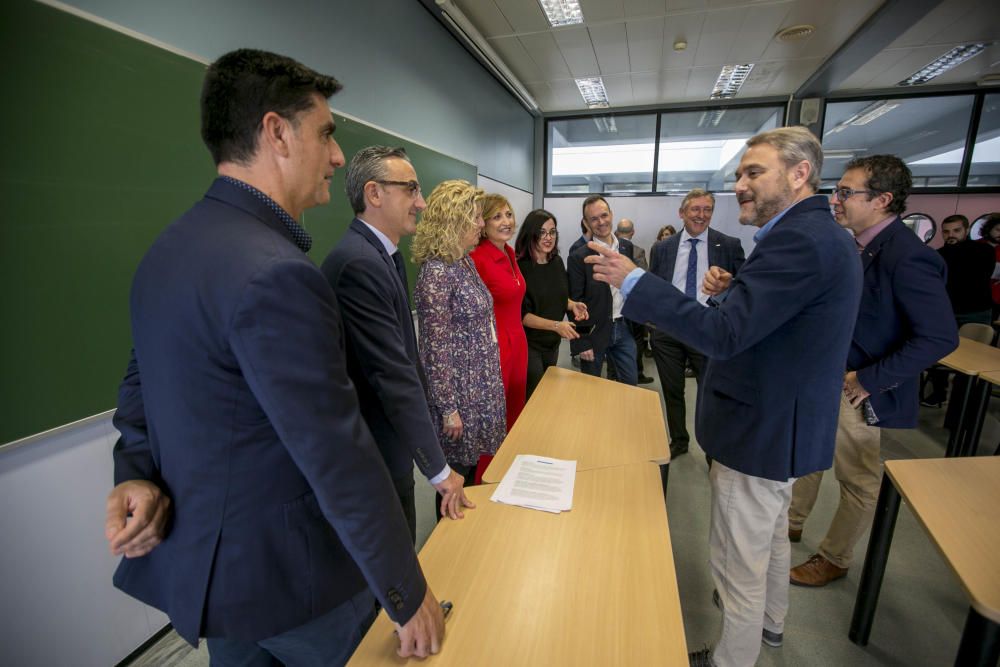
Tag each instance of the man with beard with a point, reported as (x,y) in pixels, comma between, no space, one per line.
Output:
(776,346)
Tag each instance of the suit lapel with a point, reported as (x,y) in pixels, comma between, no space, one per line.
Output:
(672,246)
(872,250)
(714,249)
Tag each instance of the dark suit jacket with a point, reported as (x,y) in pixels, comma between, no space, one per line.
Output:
(724,251)
(905,322)
(382,357)
(777,345)
(597,296)
(579,243)
(237,403)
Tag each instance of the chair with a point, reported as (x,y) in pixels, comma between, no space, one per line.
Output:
(981,333)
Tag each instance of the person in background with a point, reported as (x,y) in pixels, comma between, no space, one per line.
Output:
(585,236)
(546,301)
(458,336)
(626,230)
(366,271)
(495,262)
(237,406)
(666,231)
(990,235)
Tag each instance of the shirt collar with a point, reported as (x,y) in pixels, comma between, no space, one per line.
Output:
(390,247)
(299,235)
(685,236)
(763,231)
(614,242)
(868,235)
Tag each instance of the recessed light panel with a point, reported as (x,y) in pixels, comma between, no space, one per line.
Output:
(592,90)
(953,58)
(730,79)
(562,12)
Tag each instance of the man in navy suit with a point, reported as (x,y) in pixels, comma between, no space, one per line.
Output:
(367,273)
(237,406)
(611,337)
(776,348)
(683,260)
(904,325)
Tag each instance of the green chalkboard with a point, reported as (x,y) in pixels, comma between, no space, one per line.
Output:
(101,152)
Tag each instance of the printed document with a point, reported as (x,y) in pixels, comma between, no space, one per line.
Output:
(539,483)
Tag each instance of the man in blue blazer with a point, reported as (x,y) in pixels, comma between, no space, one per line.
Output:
(367,272)
(698,247)
(237,406)
(904,325)
(776,347)
(611,336)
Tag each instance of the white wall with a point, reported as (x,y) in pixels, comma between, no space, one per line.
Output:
(519,200)
(56,599)
(648,214)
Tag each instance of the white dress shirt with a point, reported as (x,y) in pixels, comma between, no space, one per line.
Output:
(681,265)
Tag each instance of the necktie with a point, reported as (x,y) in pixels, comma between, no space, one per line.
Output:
(397,259)
(691,283)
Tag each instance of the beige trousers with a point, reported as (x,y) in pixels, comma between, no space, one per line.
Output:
(858,467)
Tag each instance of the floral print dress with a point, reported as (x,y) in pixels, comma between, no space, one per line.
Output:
(459,353)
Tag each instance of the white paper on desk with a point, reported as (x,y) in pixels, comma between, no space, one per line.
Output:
(539,483)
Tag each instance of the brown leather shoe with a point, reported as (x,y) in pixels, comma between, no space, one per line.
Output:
(817,571)
(794,535)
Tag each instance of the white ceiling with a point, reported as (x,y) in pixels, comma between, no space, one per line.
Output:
(629,43)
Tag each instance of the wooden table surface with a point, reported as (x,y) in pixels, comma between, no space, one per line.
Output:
(598,423)
(958,502)
(593,586)
(972,357)
(993,377)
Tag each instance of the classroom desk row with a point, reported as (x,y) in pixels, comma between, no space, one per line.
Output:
(980,365)
(592,586)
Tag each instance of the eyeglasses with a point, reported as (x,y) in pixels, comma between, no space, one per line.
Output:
(548,234)
(412,187)
(843,194)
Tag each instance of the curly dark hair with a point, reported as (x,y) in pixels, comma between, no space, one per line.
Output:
(886,173)
(531,232)
(244,85)
(992,221)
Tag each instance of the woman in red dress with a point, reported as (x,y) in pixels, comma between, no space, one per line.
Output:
(498,268)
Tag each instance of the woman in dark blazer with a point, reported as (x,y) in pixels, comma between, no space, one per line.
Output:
(546,300)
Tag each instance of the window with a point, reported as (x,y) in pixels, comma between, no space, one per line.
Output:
(928,133)
(602,154)
(701,149)
(985,168)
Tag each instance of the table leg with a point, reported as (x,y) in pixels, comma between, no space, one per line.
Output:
(955,437)
(874,568)
(980,645)
(664,473)
(981,390)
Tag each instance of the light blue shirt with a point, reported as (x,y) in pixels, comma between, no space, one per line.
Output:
(390,248)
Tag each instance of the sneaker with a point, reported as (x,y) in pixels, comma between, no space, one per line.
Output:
(772,639)
(701,658)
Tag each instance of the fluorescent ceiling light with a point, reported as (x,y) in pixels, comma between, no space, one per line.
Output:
(562,12)
(593,92)
(865,116)
(953,58)
(730,79)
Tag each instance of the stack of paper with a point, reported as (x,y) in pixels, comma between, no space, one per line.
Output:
(538,483)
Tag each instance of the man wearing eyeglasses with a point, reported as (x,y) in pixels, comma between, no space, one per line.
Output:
(904,324)
(367,272)
(683,260)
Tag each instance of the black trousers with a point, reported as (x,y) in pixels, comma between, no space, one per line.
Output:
(539,360)
(671,357)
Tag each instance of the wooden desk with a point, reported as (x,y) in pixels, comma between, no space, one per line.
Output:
(957,501)
(593,586)
(971,359)
(596,422)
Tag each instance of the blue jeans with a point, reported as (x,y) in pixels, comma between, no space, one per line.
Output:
(620,350)
(324,641)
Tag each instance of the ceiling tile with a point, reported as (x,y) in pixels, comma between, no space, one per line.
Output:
(619,88)
(680,5)
(577,51)
(545,52)
(523,15)
(601,10)
(644,8)
(700,81)
(645,45)
(610,47)
(686,27)
(646,87)
(516,58)
(758,29)
(486,16)
(717,35)
(930,26)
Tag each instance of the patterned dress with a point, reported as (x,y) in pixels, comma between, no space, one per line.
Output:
(458,350)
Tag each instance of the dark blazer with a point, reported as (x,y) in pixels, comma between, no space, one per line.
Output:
(724,251)
(577,244)
(382,357)
(237,403)
(904,324)
(777,345)
(597,296)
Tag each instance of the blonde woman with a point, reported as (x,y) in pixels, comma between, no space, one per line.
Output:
(458,337)
(495,262)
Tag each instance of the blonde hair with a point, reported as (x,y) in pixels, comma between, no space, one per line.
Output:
(493,204)
(451,211)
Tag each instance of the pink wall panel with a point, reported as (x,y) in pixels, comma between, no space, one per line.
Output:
(941,206)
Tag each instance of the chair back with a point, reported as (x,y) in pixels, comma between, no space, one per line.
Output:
(981,333)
